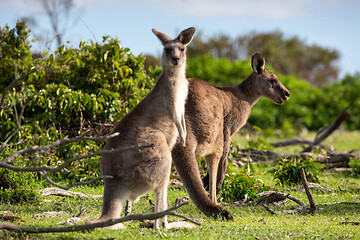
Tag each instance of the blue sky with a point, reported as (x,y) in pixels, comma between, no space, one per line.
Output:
(330,23)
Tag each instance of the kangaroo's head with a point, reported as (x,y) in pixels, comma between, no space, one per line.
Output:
(174,53)
(267,83)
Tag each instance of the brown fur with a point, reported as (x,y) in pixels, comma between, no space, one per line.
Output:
(213,115)
(158,119)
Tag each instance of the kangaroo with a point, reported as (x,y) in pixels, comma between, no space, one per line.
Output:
(213,114)
(159,120)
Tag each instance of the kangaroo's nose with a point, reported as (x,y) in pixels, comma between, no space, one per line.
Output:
(175,60)
(287,93)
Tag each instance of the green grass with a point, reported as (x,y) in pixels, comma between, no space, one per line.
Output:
(249,222)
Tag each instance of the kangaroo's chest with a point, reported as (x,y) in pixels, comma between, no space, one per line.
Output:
(180,92)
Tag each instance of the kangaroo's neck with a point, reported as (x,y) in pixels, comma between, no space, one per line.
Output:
(248,90)
(174,72)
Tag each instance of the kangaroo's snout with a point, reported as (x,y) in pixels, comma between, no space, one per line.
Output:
(286,95)
(175,60)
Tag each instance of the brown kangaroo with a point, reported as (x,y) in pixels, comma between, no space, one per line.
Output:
(159,120)
(213,115)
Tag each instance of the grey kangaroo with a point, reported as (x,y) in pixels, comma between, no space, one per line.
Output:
(159,120)
(213,115)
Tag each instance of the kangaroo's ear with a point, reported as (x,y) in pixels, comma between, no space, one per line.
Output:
(186,36)
(258,63)
(163,37)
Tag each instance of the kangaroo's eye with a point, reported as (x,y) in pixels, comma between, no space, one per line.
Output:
(182,49)
(273,81)
(167,50)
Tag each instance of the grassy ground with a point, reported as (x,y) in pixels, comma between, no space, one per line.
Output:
(334,222)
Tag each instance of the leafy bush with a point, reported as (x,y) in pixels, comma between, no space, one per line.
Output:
(242,186)
(86,88)
(354,163)
(18,187)
(287,171)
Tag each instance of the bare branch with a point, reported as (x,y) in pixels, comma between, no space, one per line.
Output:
(47,178)
(273,196)
(60,142)
(308,192)
(65,164)
(64,193)
(328,130)
(73,228)
(290,142)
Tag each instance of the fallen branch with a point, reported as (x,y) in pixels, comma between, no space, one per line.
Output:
(327,131)
(272,196)
(297,141)
(47,178)
(65,164)
(308,192)
(74,228)
(63,193)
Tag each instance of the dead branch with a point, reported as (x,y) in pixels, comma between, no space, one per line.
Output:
(47,178)
(60,142)
(272,197)
(73,228)
(269,209)
(308,192)
(63,193)
(296,141)
(327,131)
(66,163)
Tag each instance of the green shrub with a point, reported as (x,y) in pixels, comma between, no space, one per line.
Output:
(354,163)
(77,89)
(287,171)
(242,186)
(18,187)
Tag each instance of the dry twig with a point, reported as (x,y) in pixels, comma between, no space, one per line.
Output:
(307,190)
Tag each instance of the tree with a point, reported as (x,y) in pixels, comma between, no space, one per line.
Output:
(287,55)
(58,13)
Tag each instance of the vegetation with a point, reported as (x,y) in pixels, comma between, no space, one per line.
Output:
(249,222)
(287,171)
(65,94)
(71,91)
(242,186)
(18,188)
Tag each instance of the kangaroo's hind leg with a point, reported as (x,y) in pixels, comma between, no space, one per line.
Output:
(161,204)
(115,194)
